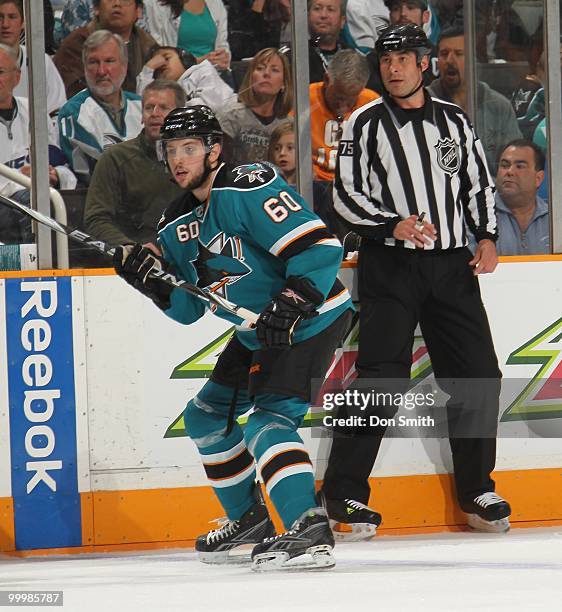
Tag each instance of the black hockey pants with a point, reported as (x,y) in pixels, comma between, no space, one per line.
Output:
(397,289)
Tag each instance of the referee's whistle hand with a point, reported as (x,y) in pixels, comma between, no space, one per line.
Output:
(485,258)
(420,235)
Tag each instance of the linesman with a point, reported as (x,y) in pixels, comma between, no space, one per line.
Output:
(411,176)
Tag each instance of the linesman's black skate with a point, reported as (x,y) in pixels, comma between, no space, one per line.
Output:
(488,512)
(352,521)
(309,535)
(253,526)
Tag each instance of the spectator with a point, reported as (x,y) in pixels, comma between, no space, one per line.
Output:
(103,114)
(364,19)
(485,33)
(49,25)
(281,151)
(201,82)
(119,17)
(198,26)
(401,12)
(256,24)
(533,124)
(449,13)
(512,38)
(265,99)
(524,94)
(276,15)
(540,133)
(407,11)
(14,150)
(432,28)
(331,102)
(326,19)
(446,14)
(78,13)
(523,217)
(130,187)
(495,120)
(11,28)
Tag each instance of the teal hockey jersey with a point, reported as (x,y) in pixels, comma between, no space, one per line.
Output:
(253,234)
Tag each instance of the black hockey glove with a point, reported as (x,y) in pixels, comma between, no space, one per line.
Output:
(277,323)
(134,263)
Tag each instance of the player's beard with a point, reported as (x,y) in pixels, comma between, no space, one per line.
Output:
(199,179)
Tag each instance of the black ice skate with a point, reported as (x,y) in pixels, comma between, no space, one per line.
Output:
(309,535)
(351,520)
(488,512)
(253,526)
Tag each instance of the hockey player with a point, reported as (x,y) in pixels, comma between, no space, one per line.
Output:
(244,234)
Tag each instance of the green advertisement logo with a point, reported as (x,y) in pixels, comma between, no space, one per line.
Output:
(542,397)
(201,364)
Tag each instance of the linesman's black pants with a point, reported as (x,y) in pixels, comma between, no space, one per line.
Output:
(397,289)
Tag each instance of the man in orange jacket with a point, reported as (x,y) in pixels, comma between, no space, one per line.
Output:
(331,102)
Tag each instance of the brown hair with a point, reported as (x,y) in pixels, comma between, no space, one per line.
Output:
(18,4)
(285,127)
(166,84)
(284,100)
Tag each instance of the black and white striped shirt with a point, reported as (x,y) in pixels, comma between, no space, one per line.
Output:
(393,163)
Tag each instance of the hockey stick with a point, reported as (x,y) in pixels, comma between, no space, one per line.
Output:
(102,247)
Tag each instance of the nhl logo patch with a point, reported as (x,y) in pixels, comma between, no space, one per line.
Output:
(448,156)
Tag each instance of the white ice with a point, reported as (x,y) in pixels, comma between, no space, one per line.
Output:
(520,570)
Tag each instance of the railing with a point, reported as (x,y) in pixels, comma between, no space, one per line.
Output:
(59,208)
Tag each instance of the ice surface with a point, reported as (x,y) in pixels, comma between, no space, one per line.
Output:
(521,570)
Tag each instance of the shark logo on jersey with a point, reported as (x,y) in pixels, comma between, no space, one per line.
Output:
(448,156)
(253,172)
(220,263)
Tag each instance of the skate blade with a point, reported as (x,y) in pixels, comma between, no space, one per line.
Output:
(479,524)
(352,532)
(321,558)
(225,557)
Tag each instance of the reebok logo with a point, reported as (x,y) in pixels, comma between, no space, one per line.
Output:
(292,295)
